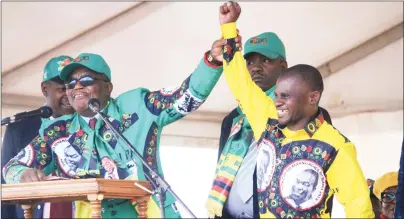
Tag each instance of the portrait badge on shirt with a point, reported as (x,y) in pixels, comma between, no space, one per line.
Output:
(266,163)
(25,156)
(302,184)
(68,156)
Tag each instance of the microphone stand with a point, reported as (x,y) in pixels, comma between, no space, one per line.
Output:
(159,184)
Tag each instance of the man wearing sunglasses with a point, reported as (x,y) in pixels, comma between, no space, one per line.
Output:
(385,189)
(19,134)
(139,114)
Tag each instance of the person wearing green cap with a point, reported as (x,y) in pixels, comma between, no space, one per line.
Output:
(84,146)
(53,86)
(18,135)
(265,57)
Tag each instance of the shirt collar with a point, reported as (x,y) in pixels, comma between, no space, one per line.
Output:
(110,109)
(87,119)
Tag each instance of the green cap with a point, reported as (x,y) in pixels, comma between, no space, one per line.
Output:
(54,67)
(267,44)
(91,61)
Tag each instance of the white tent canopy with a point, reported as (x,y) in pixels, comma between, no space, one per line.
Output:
(155,44)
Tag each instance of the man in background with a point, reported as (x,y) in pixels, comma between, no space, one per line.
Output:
(385,189)
(19,134)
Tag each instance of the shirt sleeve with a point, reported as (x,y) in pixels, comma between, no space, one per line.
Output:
(36,154)
(255,104)
(172,104)
(347,181)
(10,143)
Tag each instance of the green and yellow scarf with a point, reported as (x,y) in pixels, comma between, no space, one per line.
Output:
(233,154)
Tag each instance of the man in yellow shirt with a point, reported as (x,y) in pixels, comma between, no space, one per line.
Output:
(294,139)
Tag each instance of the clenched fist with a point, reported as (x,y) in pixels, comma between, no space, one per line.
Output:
(32,175)
(229,12)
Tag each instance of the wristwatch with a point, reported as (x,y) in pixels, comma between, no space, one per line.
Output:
(212,61)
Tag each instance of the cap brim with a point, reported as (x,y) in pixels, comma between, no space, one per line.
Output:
(68,69)
(57,80)
(264,52)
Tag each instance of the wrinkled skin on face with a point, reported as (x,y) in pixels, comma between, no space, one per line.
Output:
(80,95)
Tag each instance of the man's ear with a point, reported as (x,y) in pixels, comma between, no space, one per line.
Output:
(314,97)
(44,88)
(110,88)
(284,64)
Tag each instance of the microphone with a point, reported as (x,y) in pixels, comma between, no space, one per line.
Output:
(159,184)
(44,112)
(94,105)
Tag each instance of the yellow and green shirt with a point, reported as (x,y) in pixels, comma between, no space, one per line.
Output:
(297,171)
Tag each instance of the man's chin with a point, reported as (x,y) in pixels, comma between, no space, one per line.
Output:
(68,111)
(261,84)
(81,110)
(390,214)
(283,121)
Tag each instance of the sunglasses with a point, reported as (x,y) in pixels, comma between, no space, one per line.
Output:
(85,81)
(388,197)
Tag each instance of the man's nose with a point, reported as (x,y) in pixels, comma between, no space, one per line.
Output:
(256,69)
(78,85)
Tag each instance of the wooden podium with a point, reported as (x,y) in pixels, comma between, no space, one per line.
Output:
(93,190)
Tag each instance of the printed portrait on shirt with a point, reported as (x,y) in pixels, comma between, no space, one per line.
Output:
(302,184)
(25,156)
(68,156)
(111,170)
(265,164)
(110,167)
